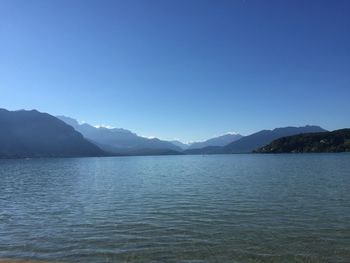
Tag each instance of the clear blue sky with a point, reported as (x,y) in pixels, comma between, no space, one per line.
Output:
(179,69)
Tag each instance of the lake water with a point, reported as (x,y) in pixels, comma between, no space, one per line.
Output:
(219,208)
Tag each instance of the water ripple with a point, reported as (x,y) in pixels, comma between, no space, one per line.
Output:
(234,208)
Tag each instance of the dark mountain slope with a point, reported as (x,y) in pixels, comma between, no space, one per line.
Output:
(336,141)
(254,141)
(34,134)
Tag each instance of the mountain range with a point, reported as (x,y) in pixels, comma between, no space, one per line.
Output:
(248,144)
(256,140)
(35,134)
(121,141)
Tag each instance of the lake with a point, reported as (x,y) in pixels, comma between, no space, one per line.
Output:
(216,208)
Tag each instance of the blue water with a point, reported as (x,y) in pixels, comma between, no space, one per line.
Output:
(219,208)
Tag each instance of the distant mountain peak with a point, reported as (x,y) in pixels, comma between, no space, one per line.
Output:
(221,140)
(308,126)
(180,144)
(75,123)
(264,137)
(68,120)
(119,140)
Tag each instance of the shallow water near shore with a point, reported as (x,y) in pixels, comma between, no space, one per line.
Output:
(219,208)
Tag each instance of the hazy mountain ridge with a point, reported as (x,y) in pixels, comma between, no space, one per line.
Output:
(204,150)
(248,144)
(180,144)
(335,141)
(35,134)
(256,140)
(121,141)
(216,141)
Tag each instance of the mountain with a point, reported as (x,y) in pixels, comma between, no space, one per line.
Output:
(204,150)
(182,145)
(216,141)
(35,134)
(254,141)
(121,141)
(335,141)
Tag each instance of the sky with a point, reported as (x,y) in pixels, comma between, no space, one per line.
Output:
(179,69)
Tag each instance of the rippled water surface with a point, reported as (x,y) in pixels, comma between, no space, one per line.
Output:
(225,208)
